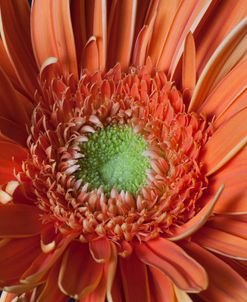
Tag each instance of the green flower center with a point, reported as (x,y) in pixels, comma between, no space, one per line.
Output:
(113,158)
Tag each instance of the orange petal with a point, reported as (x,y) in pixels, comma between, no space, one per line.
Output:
(11,103)
(51,292)
(210,75)
(79,274)
(15,32)
(90,56)
(16,256)
(236,105)
(18,220)
(13,131)
(189,63)
(197,221)
(121,33)
(7,297)
(117,293)
(221,242)
(161,287)
(56,31)
(100,250)
(225,142)
(78,19)
(169,258)
(224,94)
(100,30)
(224,283)
(44,262)
(223,17)
(134,279)
(187,17)
(233,175)
(142,43)
(166,11)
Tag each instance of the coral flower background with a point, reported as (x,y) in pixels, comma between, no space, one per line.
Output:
(70,67)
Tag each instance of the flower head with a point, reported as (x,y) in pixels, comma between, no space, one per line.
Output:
(123,151)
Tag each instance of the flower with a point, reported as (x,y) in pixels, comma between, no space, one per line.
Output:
(123,150)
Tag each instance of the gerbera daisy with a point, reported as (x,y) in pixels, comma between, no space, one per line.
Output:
(123,150)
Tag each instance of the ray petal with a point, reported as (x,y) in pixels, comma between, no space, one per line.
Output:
(224,283)
(169,258)
(226,142)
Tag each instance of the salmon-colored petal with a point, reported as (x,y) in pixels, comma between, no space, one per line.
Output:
(187,17)
(15,32)
(11,103)
(100,30)
(212,72)
(161,287)
(7,297)
(44,262)
(221,242)
(169,258)
(197,221)
(166,11)
(16,256)
(18,220)
(233,198)
(90,56)
(238,266)
(228,89)
(51,292)
(79,274)
(189,63)
(121,33)
(238,104)
(219,150)
(100,250)
(232,225)
(142,43)
(223,17)
(56,31)
(135,279)
(224,283)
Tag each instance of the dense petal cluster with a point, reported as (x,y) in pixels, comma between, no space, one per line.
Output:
(123,150)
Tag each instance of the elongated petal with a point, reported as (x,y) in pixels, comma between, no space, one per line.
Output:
(219,150)
(13,131)
(56,29)
(161,287)
(18,220)
(51,292)
(228,89)
(11,103)
(216,25)
(79,274)
(90,56)
(166,11)
(187,16)
(15,31)
(233,198)
(189,63)
(197,221)
(221,242)
(100,249)
(214,66)
(16,256)
(121,33)
(224,283)
(232,225)
(168,257)
(133,270)
(44,262)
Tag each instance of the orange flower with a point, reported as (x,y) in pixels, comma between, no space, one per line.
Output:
(123,150)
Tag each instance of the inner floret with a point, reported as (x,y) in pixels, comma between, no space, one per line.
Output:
(113,158)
